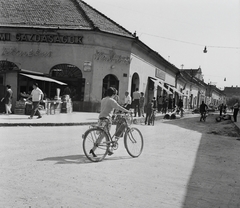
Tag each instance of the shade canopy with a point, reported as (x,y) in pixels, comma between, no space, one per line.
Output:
(47,79)
(162,86)
(176,90)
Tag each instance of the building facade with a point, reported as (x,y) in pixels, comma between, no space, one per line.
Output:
(69,43)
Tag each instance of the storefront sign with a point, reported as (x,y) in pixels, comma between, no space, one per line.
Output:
(160,74)
(13,51)
(111,57)
(44,38)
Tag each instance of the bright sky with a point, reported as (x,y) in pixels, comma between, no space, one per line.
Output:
(180,29)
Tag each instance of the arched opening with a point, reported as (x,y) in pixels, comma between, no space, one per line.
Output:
(6,66)
(135,82)
(70,75)
(109,81)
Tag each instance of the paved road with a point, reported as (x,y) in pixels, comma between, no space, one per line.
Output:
(182,165)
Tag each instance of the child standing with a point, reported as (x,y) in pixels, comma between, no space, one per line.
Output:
(141,104)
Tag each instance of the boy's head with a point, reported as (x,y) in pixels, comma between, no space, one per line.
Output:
(142,93)
(111,91)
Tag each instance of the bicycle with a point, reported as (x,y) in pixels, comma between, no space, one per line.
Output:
(153,116)
(203,116)
(102,141)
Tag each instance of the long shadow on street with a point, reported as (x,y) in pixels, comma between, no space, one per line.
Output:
(215,179)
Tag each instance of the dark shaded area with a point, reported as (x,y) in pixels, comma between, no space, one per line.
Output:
(215,179)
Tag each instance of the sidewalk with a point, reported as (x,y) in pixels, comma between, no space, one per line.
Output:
(71,119)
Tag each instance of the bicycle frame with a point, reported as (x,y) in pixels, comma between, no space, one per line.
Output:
(117,116)
(98,141)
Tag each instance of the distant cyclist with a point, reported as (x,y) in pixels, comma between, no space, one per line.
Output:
(203,111)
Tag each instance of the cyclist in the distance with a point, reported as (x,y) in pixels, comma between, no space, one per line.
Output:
(108,104)
(203,111)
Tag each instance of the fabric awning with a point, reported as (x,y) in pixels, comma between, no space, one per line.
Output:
(47,79)
(176,90)
(162,86)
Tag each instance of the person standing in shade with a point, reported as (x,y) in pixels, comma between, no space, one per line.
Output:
(160,103)
(180,106)
(164,106)
(127,101)
(136,98)
(170,104)
(221,109)
(149,113)
(8,99)
(141,104)
(37,97)
(203,110)
(235,111)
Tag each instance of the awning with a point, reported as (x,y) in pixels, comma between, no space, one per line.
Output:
(46,79)
(176,90)
(162,86)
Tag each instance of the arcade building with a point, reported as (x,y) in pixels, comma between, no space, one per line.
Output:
(69,43)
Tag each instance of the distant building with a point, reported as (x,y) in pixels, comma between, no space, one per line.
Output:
(231,92)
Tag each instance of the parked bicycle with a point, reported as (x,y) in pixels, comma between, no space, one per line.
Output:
(100,139)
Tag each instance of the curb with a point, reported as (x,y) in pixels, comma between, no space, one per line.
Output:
(47,124)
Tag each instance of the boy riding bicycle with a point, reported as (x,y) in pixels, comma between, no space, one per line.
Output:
(108,104)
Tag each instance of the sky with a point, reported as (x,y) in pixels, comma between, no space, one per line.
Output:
(180,29)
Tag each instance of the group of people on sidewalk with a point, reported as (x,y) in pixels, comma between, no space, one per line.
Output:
(138,102)
(36,96)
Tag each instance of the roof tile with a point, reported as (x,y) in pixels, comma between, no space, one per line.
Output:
(66,14)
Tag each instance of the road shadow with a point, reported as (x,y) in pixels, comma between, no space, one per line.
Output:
(68,159)
(210,126)
(79,159)
(215,177)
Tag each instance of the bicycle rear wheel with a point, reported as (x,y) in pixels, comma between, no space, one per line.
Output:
(96,140)
(133,142)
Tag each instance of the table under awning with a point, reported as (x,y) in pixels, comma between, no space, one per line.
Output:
(47,79)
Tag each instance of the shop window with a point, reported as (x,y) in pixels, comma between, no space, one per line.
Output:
(70,75)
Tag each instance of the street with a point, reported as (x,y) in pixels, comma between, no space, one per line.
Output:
(185,163)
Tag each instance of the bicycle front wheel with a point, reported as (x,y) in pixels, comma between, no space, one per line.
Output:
(133,142)
(95,144)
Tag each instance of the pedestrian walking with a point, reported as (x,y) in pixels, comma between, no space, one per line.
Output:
(235,111)
(8,100)
(37,97)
